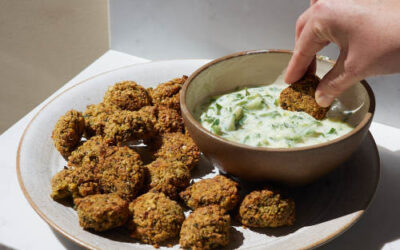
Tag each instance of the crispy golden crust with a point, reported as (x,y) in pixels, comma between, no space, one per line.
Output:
(101,212)
(75,183)
(168,121)
(167,94)
(68,131)
(88,153)
(156,218)
(96,117)
(168,177)
(219,190)
(122,172)
(300,96)
(126,125)
(60,185)
(266,208)
(117,170)
(127,95)
(179,147)
(206,228)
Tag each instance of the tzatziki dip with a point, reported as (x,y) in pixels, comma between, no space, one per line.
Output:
(253,116)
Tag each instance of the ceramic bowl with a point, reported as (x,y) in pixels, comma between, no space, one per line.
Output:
(292,166)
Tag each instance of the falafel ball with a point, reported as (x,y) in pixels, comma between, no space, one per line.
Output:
(68,132)
(206,228)
(116,170)
(89,152)
(167,94)
(219,190)
(60,185)
(266,208)
(122,172)
(156,218)
(300,96)
(126,125)
(127,95)
(179,147)
(96,116)
(75,183)
(101,212)
(168,177)
(169,120)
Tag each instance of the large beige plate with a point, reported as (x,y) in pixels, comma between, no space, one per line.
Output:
(324,210)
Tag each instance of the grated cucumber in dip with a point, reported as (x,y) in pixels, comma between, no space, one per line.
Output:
(254,117)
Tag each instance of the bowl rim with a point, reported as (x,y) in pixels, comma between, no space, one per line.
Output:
(189,116)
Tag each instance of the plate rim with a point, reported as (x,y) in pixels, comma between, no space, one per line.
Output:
(351,223)
(82,243)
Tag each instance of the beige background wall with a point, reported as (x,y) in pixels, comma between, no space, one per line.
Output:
(43,44)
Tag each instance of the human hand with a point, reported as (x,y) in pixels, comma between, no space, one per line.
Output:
(366,32)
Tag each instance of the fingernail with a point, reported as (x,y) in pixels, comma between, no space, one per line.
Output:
(322,99)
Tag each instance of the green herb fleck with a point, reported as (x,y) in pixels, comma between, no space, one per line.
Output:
(239,96)
(272,114)
(209,119)
(332,131)
(215,123)
(318,123)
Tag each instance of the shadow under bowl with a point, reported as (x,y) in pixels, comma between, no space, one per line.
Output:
(291,166)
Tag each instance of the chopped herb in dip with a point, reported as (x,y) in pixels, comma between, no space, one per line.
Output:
(253,116)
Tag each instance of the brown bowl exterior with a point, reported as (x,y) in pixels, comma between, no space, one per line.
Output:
(287,167)
(291,166)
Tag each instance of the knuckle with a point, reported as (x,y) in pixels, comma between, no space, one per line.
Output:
(320,6)
(319,30)
(300,20)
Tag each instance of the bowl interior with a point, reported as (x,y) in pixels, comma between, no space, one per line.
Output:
(263,68)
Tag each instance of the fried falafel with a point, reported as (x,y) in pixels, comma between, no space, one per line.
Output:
(68,132)
(167,94)
(179,147)
(219,190)
(300,96)
(122,172)
(101,212)
(169,121)
(60,185)
(126,125)
(96,117)
(117,170)
(156,218)
(266,208)
(88,153)
(127,95)
(74,183)
(168,177)
(206,228)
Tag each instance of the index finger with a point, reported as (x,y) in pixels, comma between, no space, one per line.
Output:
(307,46)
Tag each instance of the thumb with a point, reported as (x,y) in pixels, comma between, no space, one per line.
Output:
(335,82)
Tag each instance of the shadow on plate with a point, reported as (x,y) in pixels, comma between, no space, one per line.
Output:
(203,168)
(379,226)
(236,239)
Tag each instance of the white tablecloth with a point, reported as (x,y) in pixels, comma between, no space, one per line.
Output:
(22,228)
